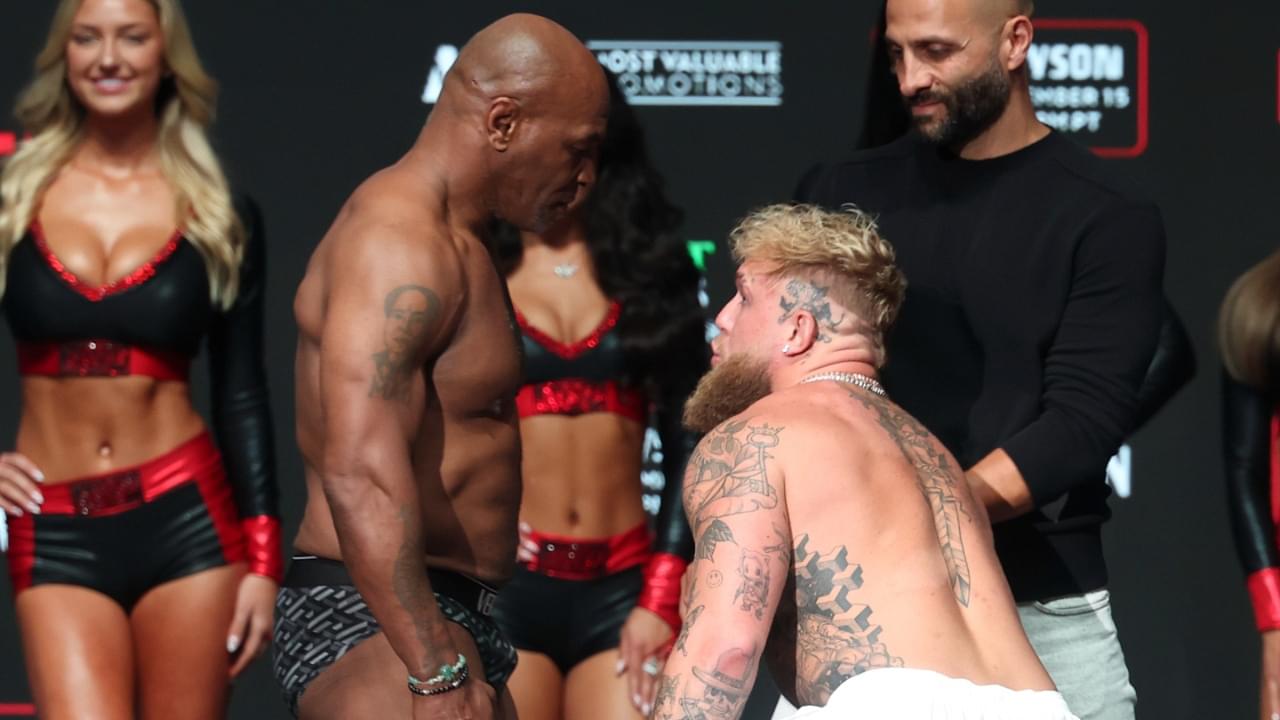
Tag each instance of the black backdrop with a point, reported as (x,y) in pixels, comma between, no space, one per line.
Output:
(318,94)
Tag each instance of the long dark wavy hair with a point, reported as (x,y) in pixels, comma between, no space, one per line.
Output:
(640,260)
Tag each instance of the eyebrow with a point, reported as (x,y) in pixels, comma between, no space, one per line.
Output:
(97,28)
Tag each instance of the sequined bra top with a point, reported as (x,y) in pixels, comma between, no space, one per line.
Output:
(149,322)
(578,378)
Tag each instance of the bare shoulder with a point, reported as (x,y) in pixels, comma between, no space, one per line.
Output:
(383,233)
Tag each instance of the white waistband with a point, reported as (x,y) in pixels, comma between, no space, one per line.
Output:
(912,694)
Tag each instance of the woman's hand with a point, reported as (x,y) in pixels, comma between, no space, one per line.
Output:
(250,632)
(19,485)
(643,637)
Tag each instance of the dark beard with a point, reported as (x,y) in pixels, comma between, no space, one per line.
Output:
(726,390)
(973,107)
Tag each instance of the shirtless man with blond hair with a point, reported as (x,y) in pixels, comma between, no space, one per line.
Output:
(407,367)
(831,527)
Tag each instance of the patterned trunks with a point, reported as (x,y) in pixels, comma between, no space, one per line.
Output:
(320,616)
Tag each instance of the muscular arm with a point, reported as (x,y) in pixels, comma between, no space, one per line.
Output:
(1092,371)
(389,314)
(733,497)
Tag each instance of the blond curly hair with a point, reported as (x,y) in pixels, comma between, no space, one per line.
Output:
(841,250)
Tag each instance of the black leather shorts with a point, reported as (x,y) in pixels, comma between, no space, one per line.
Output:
(567,620)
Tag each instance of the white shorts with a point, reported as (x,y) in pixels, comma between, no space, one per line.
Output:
(907,694)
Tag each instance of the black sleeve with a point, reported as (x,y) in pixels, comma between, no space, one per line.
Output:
(673,535)
(1246,439)
(1172,367)
(1096,360)
(241,411)
(806,186)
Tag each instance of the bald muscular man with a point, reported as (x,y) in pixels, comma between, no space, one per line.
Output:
(1031,315)
(407,367)
(831,526)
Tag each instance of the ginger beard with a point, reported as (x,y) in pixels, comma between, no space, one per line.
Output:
(728,389)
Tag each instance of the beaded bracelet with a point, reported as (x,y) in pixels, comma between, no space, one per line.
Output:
(450,677)
(454,684)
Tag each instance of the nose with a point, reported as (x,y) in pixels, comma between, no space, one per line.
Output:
(724,319)
(587,175)
(108,60)
(913,75)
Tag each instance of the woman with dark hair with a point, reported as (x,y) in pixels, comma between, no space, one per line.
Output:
(1249,338)
(143,556)
(607,303)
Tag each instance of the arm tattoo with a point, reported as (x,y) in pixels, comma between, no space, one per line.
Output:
(804,295)
(728,474)
(937,480)
(664,704)
(835,639)
(690,617)
(720,693)
(411,314)
(753,594)
(717,532)
(406,579)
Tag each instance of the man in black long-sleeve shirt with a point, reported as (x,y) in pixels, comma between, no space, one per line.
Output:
(1032,311)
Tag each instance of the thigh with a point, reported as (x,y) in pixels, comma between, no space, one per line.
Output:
(78,653)
(180,638)
(594,689)
(537,688)
(1077,641)
(369,681)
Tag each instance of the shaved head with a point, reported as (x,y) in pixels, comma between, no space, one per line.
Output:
(525,57)
(525,108)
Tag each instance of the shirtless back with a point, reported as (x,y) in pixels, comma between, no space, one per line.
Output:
(407,366)
(836,536)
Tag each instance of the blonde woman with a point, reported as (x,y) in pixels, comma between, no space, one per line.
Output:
(1249,335)
(144,562)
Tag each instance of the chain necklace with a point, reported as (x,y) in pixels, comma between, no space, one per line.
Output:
(858,379)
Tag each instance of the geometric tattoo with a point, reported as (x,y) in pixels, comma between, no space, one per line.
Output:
(803,295)
(411,312)
(836,638)
(937,481)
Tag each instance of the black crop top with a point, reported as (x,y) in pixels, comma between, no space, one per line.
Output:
(578,378)
(164,308)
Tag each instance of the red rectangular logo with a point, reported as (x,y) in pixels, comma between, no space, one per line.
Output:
(8,145)
(1091,78)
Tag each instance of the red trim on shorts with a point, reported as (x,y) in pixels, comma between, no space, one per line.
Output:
(17,710)
(22,551)
(129,487)
(574,558)
(99,358)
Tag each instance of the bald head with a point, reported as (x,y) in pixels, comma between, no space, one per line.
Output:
(525,57)
(524,111)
